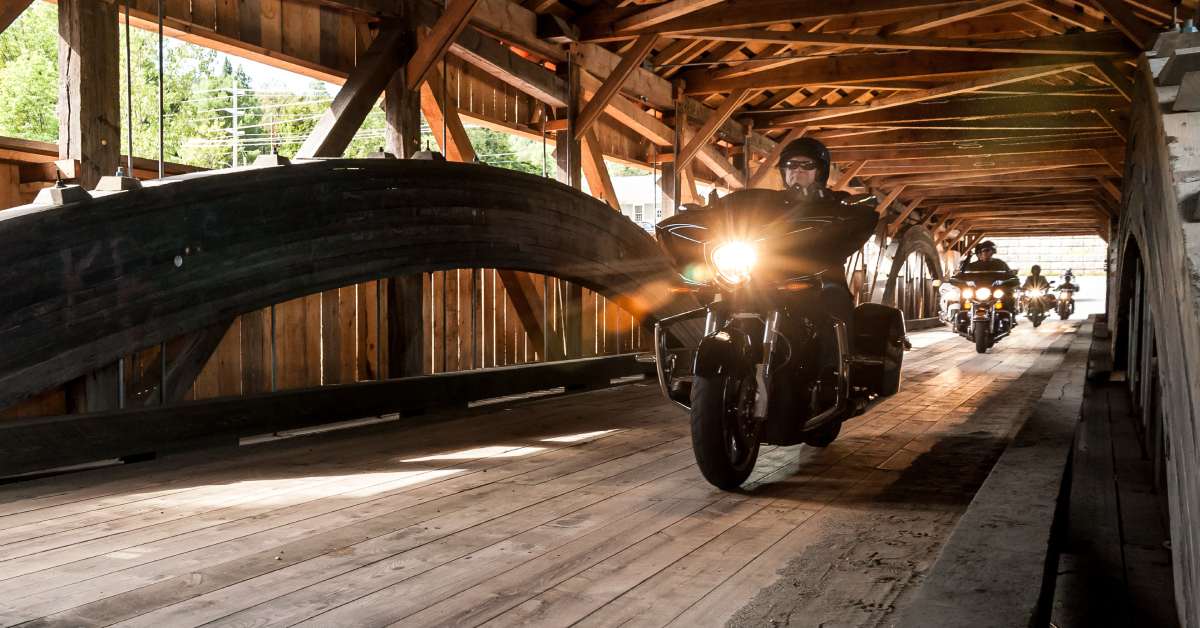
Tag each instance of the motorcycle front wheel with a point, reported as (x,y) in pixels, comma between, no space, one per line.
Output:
(724,435)
(981,339)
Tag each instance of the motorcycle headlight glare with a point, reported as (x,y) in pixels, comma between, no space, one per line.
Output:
(1036,292)
(999,294)
(734,261)
(967,293)
(983,294)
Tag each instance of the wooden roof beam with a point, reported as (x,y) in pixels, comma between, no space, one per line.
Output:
(530,78)
(1138,32)
(942,17)
(1079,19)
(893,112)
(723,113)
(10,10)
(850,69)
(457,144)
(765,12)
(439,38)
(1098,44)
(358,95)
(1115,78)
(663,13)
(848,175)
(595,171)
(612,84)
(945,91)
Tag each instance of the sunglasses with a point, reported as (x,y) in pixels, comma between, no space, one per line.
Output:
(796,164)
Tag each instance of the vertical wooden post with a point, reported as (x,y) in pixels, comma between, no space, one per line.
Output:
(406,325)
(573,327)
(567,152)
(402,138)
(667,189)
(89,127)
(401,105)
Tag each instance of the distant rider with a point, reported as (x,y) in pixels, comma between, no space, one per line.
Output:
(1036,281)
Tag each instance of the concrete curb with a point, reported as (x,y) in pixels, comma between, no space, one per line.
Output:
(992,571)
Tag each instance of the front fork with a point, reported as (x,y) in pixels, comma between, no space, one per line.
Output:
(716,321)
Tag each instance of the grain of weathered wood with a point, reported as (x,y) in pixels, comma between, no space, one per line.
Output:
(88,118)
(670,566)
(36,444)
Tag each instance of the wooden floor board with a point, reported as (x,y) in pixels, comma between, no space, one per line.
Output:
(310,521)
(582,509)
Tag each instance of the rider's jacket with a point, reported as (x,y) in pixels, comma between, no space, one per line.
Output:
(993,264)
(854,223)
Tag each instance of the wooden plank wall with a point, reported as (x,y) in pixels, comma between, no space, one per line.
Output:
(338,336)
(308,32)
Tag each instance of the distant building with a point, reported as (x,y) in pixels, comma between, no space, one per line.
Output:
(641,201)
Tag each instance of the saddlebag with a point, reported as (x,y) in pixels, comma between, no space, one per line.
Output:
(878,347)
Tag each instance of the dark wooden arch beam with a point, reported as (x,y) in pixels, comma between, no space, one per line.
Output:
(915,239)
(92,281)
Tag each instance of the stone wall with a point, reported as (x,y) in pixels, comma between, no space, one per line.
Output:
(1156,232)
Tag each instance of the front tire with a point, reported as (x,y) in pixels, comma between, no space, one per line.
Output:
(725,450)
(981,339)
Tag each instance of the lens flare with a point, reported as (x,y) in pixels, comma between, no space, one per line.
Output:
(983,294)
(734,261)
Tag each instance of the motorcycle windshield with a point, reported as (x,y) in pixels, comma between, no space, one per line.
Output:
(982,278)
(790,241)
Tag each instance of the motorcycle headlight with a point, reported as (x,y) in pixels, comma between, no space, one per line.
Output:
(1036,292)
(983,294)
(999,294)
(967,293)
(734,261)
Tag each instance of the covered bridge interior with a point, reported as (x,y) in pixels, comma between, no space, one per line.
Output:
(411,389)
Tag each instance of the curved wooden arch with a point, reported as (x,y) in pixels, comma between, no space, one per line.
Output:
(915,239)
(90,281)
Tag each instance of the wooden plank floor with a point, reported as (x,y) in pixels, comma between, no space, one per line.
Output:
(583,510)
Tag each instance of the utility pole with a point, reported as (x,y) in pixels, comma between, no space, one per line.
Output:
(234,128)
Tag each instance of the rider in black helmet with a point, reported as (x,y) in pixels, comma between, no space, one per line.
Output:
(987,261)
(804,167)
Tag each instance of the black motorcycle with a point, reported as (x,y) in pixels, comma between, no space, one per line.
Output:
(985,312)
(1066,300)
(772,366)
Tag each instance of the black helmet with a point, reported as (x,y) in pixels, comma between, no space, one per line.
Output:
(985,245)
(811,148)
(1035,269)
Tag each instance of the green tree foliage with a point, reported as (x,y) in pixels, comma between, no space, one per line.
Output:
(29,75)
(211,108)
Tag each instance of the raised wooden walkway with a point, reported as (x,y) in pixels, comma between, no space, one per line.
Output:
(585,510)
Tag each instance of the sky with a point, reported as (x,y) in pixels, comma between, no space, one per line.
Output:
(263,76)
